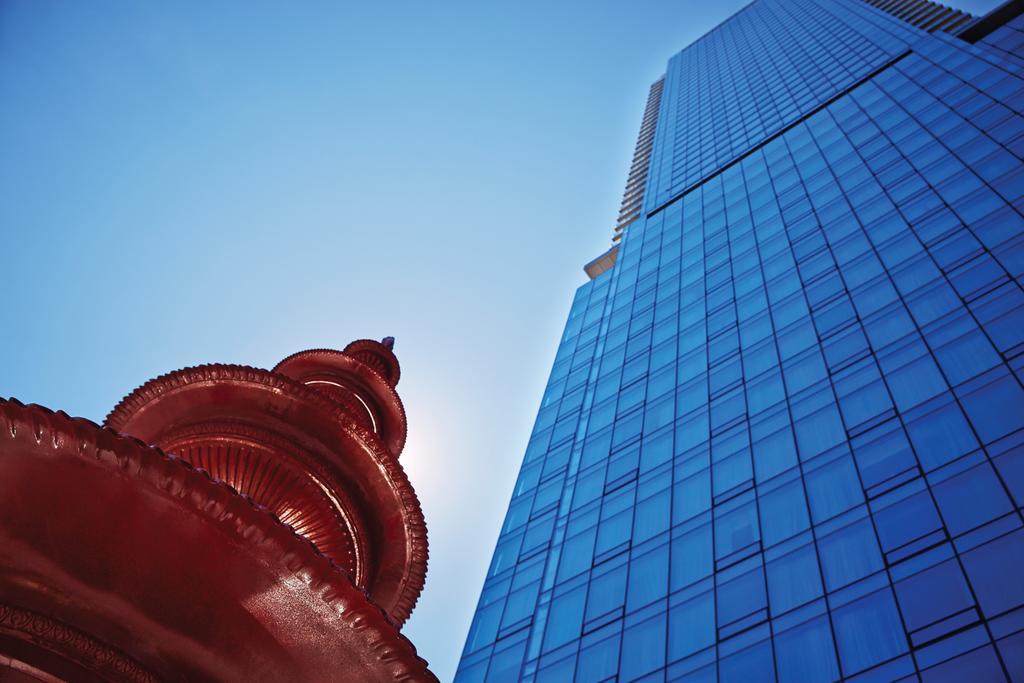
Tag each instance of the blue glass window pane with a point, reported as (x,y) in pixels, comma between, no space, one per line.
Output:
(473,673)
(505,554)
(692,496)
(1011,470)
(557,672)
(652,517)
(657,450)
(732,471)
(849,554)
(691,626)
(596,449)
(643,648)
(994,570)
(805,372)
(588,487)
(764,392)
(868,631)
(887,326)
(692,431)
(971,498)
(752,665)
(783,512)
(648,578)
(599,661)
(505,664)
(833,488)
(692,557)
(741,596)
(860,403)
(977,665)
(806,653)
(966,357)
(882,453)
(577,554)
(692,394)
(819,431)
(565,618)
(933,594)
(735,530)
(915,382)
(995,409)
(793,579)
(1012,651)
(521,604)
(906,520)
(538,532)
(614,531)
(708,674)
(485,626)
(940,436)
(607,592)
(774,454)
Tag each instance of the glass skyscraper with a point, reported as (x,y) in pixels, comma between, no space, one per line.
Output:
(783,436)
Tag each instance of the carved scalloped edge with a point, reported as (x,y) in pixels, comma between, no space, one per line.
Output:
(216,500)
(356,344)
(416,568)
(390,387)
(73,644)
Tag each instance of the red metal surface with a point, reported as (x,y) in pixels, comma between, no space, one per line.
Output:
(120,562)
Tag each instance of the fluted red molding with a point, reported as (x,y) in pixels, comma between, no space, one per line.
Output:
(354,378)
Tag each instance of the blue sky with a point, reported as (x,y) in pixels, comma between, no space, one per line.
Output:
(196,182)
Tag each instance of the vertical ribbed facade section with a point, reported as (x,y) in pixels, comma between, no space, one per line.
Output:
(924,14)
(783,434)
(636,183)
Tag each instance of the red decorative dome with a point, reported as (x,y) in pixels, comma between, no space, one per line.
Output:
(122,563)
(126,563)
(361,378)
(265,433)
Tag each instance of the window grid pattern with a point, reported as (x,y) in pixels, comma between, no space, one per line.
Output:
(761,70)
(783,438)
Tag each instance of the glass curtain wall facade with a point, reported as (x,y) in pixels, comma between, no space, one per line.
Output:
(783,436)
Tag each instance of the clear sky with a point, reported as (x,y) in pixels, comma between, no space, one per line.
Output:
(189,182)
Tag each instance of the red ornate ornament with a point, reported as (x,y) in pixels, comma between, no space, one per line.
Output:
(280,541)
